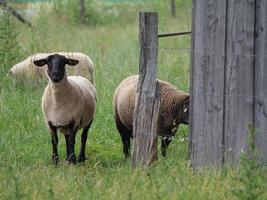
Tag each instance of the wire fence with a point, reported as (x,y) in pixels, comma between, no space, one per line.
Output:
(207,53)
(230,98)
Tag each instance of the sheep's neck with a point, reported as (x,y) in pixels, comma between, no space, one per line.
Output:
(60,90)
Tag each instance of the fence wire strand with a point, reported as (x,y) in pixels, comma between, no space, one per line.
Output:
(214,94)
(205,53)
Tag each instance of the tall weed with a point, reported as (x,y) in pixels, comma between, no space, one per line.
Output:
(9,48)
(247,185)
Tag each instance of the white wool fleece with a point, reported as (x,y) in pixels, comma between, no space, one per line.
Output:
(27,69)
(73,99)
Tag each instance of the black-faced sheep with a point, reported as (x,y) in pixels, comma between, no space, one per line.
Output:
(26,69)
(174,110)
(68,104)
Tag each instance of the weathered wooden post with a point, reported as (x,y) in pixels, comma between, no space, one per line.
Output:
(239,78)
(207,83)
(147,97)
(222,81)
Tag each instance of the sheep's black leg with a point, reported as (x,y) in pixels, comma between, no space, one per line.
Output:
(128,139)
(71,143)
(126,135)
(165,141)
(81,157)
(54,141)
(67,146)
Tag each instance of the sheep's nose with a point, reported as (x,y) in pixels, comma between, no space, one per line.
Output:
(55,73)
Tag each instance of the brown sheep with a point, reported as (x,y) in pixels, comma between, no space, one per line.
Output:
(174,110)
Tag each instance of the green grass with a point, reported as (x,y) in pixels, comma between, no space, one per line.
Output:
(26,171)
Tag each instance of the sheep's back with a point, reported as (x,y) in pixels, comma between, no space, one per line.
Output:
(124,100)
(27,70)
(170,97)
(84,68)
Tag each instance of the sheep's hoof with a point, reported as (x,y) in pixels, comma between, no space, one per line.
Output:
(126,156)
(55,159)
(72,159)
(81,158)
(164,153)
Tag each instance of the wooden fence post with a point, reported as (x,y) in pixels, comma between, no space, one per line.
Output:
(207,83)
(147,98)
(239,78)
(223,84)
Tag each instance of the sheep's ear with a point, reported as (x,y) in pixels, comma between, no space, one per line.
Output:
(185,116)
(186,105)
(72,62)
(40,63)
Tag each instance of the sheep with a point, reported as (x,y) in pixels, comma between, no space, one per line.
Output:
(174,110)
(26,69)
(68,104)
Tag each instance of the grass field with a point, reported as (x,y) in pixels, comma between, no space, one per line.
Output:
(26,171)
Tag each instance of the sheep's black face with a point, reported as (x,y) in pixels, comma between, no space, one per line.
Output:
(56,66)
(180,115)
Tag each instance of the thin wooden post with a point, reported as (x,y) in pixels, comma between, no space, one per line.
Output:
(147,98)
(12,11)
(82,11)
(173,7)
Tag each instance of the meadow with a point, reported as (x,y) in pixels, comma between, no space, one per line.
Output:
(26,170)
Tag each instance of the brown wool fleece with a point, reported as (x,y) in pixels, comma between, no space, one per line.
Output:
(170,104)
